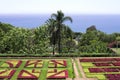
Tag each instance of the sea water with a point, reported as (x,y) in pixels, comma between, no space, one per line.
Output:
(105,23)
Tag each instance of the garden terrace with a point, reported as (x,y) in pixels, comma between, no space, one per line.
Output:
(101,68)
(36,69)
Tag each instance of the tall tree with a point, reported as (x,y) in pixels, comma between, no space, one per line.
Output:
(60,18)
(52,30)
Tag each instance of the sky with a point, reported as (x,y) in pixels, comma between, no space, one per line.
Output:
(67,6)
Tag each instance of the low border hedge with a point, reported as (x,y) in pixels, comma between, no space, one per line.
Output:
(62,55)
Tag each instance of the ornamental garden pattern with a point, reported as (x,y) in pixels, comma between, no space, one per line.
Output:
(32,69)
(59,69)
(101,68)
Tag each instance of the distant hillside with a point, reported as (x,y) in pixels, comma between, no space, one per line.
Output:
(5,27)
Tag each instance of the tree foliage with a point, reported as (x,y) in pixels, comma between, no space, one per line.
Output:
(54,36)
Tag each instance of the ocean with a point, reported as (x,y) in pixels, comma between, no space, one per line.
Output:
(106,23)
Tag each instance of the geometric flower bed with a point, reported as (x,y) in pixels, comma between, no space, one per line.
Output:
(57,63)
(101,68)
(32,74)
(57,74)
(6,74)
(11,63)
(34,63)
(57,69)
(34,69)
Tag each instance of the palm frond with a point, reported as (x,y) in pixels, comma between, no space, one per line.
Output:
(67,19)
(54,15)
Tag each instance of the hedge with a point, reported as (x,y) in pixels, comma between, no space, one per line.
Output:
(62,55)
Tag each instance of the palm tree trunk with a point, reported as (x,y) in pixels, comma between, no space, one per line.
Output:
(59,41)
(53,49)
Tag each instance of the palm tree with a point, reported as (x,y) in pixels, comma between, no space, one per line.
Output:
(52,32)
(60,18)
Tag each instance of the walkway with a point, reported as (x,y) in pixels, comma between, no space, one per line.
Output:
(77,76)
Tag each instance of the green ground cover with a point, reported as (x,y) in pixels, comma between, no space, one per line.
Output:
(36,69)
(70,68)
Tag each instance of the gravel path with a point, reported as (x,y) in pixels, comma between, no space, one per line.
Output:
(75,69)
(77,76)
(82,72)
(80,67)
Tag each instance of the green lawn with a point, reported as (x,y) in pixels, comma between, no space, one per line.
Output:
(117,50)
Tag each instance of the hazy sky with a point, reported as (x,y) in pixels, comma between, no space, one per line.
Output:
(67,6)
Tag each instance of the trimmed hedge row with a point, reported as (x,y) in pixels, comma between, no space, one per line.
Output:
(62,55)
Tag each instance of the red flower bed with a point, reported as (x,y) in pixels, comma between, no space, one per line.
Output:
(97,60)
(116,63)
(113,76)
(102,64)
(117,59)
(86,60)
(99,70)
(111,69)
(104,59)
(96,70)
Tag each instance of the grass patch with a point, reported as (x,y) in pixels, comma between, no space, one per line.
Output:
(99,77)
(14,77)
(117,50)
(70,69)
(44,71)
(86,70)
(1,62)
(87,64)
